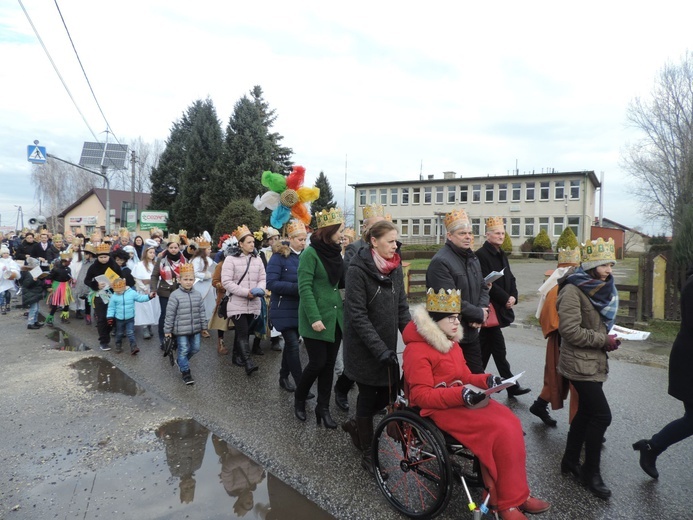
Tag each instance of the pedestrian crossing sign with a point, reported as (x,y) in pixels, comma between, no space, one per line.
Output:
(36,154)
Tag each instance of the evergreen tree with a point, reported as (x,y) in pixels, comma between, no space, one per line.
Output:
(237,213)
(326,198)
(507,245)
(567,240)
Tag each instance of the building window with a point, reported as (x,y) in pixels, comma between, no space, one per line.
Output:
(515,227)
(372,196)
(574,190)
(405,227)
(476,193)
(517,191)
(440,192)
(574,224)
(529,192)
(529,226)
(415,226)
(476,226)
(464,195)
(544,224)
(428,193)
(362,197)
(360,224)
(558,223)
(394,192)
(559,190)
(452,193)
(405,196)
(89,230)
(394,223)
(416,195)
(489,193)
(544,190)
(503,192)
(427,231)
(383,196)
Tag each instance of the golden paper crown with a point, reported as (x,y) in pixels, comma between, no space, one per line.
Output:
(203,244)
(569,256)
(295,227)
(172,237)
(269,231)
(76,241)
(240,232)
(456,218)
(495,223)
(57,237)
(349,232)
(118,284)
(155,232)
(373,210)
(329,218)
(186,269)
(123,232)
(103,249)
(183,233)
(447,301)
(598,252)
(388,217)
(66,256)
(95,237)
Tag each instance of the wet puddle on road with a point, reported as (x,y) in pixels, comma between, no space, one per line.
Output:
(196,475)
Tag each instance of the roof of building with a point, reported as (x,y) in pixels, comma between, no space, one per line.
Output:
(606,222)
(510,177)
(117,197)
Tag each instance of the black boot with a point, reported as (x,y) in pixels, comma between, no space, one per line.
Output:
(257,349)
(300,410)
(341,399)
(244,354)
(592,479)
(648,456)
(323,413)
(352,429)
(540,408)
(365,431)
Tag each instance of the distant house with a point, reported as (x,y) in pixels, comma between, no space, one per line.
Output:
(634,242)
(88,213)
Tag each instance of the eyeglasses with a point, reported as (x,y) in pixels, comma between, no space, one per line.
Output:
(454,318)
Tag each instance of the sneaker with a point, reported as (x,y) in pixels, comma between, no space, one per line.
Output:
(105,347)
(147,334)
(49,320)
(119,348)
(187,378)
(134,349)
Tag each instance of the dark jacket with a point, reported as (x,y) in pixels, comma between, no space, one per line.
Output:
(282,281)
(60,273)
(96,269)
(351,251)
(23,250)
(455,268)
(681,359)
(493,259)
(375,312)
(32,290)
(51,252)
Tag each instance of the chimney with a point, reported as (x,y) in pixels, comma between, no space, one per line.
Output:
(449,175)
(430,177)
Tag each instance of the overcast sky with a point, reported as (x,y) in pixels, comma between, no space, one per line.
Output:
(388,85)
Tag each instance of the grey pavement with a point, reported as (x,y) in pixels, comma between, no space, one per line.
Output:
(255,415)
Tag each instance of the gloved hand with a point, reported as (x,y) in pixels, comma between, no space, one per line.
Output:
(111,322)
(612,343)
(493,381)
(257,291)
(471,397)
(389,357)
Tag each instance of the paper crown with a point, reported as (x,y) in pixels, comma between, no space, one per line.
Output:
(156,232)
(95,237)
(103,249)
(329,218)
(118,284)
(446,301)
(123,232)
(568,256)
(203,244)
(349,232)
(183,233)
(57,237)
(455,219)
(240,232)
(598,252)
(269,231)
(90,248)
(76,241)
(295,227)
(66,256)
(495,223)
(186,269)
(388,217)
(173,238)
(373,210)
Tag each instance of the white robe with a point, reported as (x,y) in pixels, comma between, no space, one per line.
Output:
(146,313)
(203,283)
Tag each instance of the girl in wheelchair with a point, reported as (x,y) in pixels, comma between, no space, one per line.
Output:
(436,375)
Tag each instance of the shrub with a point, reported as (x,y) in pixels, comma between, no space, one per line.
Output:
(567,240)
(526,247)
(237,213)
(507,245)
(541,243)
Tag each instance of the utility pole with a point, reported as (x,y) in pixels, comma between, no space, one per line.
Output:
(132,183)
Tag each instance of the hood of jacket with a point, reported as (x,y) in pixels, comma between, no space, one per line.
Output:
(423,328)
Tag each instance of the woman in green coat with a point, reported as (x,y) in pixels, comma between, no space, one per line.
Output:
(320,278)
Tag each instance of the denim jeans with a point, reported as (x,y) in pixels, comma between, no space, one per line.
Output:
(5,297)
(291,361)
(125,327)
(33,313)
(188,346)
(676,430)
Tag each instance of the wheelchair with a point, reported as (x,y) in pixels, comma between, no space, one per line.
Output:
(416,463)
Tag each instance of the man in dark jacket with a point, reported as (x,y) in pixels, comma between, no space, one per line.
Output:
(503,297)
(23,250)
(44,251)
(456,266)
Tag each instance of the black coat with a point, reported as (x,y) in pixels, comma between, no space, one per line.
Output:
(455,268)
(32,290)
(51,252)
(375,312)
(23,250)
(492,259)
(681,359)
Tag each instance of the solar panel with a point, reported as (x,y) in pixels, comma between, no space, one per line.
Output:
(110,155)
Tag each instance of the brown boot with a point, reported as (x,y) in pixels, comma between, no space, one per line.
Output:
(221,349)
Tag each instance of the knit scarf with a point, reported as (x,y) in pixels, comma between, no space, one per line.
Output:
(331,257)
(602,294)
(384,265)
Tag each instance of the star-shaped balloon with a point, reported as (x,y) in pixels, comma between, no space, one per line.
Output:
(286,197)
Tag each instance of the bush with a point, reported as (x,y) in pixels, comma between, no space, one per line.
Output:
(507,245)
(526,247)
(422,247)
(237,213)
(541,244)
(567,240)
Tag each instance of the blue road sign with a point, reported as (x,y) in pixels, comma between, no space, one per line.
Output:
(36,154)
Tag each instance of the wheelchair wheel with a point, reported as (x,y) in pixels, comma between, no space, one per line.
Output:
(412,467)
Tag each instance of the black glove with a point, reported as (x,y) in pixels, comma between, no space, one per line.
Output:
(471,397)
(493,381)
(389,357)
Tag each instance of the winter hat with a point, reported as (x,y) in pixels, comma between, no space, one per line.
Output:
(4,250)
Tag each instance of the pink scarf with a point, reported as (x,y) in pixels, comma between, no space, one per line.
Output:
(384,265)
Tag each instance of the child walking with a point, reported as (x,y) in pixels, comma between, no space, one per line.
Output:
(121,310)
(60,293)
(32,293)
(185,319)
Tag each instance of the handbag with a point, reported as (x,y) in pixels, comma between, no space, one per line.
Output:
(492,320)
(222,312)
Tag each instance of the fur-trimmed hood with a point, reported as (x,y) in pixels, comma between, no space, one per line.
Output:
(423,328)
(283,250)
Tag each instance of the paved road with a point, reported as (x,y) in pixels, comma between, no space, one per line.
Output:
(255,415)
